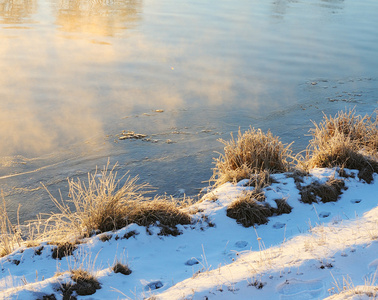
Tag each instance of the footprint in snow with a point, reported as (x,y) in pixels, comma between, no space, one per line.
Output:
(324,214)
(355,201)
(191,262)
(373,269)
(154,285)
(374,265)
(299,289)
(279,225)
(241,244)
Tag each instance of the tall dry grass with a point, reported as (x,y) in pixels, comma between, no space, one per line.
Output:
(102,204)
(345,140)
(252,151)
(360,130)
(10,235)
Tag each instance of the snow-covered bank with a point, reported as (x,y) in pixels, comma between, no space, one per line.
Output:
(301,255)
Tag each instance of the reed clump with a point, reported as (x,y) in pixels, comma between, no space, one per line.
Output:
(252,151)
(104,204)
(346,140)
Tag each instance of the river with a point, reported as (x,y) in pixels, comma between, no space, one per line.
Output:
(75,74)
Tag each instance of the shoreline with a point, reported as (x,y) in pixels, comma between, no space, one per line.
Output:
(243,234)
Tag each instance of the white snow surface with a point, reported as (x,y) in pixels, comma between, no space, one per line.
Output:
(314,252)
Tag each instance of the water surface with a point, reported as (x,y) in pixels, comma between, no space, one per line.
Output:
(75,74)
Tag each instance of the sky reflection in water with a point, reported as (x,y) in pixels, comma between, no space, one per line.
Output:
(77,73)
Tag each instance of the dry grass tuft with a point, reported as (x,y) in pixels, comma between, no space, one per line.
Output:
(361,130)
(252,151)
(121,268)
(63,250)
(347,290)
(345,140)
(162,211)
(85,284)
(10,236)
(105,237)
(101,205)
(327,192)
(282,207)
(249,209)
(260,179)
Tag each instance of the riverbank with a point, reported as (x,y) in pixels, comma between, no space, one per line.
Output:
(307,253)
(272,226)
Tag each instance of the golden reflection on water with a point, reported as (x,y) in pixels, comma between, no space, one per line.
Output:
(58,87)
(16,11)
(101,17)
(49,99)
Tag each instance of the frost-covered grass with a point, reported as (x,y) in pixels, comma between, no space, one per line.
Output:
(252,151)
(345,140)
(9,236)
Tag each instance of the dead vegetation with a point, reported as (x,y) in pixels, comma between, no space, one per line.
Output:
(260,179)
(326,192)
(104,204)
(251,209)
(251,152)
(101,205)
(10,236)
(163,211)
(63,249)
(119,267)
(347,290)
(347,141)
(85,283)
(282,207)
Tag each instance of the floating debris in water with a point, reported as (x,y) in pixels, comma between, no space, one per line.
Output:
(159,110)
(131,135)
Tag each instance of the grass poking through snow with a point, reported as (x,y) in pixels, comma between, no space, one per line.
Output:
(326,192)
(84,284)
(249,209)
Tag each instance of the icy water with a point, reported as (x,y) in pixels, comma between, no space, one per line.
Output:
(75,74)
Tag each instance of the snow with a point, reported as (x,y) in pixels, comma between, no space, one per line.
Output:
(311,253)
